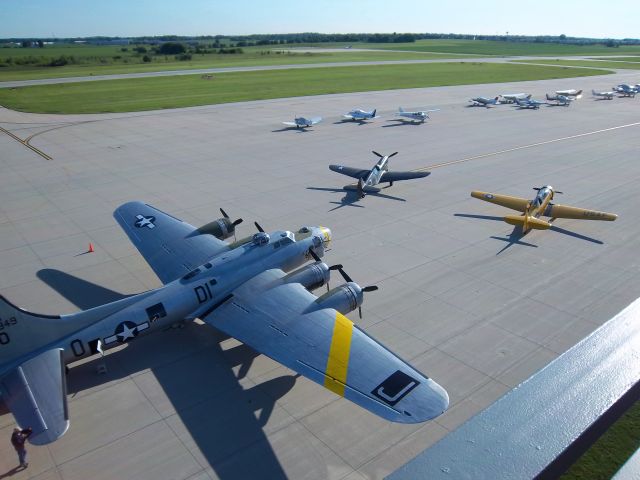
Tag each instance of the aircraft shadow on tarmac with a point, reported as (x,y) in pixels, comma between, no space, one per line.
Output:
(401,122)
(292,129)
(198,378)
(351,122)
(351,196)
(515,237)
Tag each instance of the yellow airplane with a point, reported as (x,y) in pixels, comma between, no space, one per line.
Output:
(540,206)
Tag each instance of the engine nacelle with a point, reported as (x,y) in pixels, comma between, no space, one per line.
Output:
(345,298)
(221,228)
(310,276)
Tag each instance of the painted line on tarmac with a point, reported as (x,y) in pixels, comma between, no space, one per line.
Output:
(26,144)
(522,147)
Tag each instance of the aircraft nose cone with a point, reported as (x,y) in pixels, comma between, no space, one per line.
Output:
(325,234)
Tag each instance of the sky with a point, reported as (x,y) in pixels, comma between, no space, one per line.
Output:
(129,18)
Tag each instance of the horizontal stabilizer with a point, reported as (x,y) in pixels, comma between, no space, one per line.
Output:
(527,222)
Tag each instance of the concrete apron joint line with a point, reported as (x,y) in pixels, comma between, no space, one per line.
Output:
(26,143)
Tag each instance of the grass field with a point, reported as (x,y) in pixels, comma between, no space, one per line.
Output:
(611,451)
(486,47)
(93,60)
(584,63)
(191,90)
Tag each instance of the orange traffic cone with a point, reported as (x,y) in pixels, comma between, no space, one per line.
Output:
(91,250)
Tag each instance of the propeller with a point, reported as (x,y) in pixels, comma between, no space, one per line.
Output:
(382,156)
(233,224)
(347,278)
(260,229)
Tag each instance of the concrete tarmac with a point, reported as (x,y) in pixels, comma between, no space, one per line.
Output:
(458,298)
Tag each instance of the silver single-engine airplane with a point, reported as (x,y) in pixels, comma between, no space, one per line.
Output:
(257,290)
(360,115)
(302,122)
(484,101)
(419,116)
(561,100)
(378,174)
(603,95)
(540,206)
(529,103)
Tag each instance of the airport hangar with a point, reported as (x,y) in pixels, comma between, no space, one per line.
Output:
(188,403)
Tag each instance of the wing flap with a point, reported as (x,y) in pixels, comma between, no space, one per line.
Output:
(515,203)
(398,176)
(349,171)
(170,246)
(326,347)
(36,394)
(565,211)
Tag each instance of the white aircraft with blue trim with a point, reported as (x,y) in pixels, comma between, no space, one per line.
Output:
(418,116)
(484,101)
(257,290)
(302,122)
(603,94)
(360,115)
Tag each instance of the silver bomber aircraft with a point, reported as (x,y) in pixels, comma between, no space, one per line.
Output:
(257,290)
(378,174)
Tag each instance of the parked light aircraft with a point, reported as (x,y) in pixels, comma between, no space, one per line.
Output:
(419,116)
(626,90)
(572,92)
(529,103)
(378,174)
(360,115)
(512,97)
(540,206)
(301,122)
(603,95)
(562,100)
(242,290)
(484,101)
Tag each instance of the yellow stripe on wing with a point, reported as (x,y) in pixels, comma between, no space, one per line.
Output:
(338,361)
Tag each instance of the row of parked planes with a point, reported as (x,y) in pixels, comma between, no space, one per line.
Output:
(523,100)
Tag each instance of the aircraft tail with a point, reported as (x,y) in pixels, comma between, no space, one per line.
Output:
(22,332)
(527,222)
(374,113)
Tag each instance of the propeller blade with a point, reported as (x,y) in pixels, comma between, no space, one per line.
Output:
(237,222)
(224,214)
(335,267)
(360,312)
(345,275)
(260,229)
(537,189)
(555,191)
(370,288)
(314,255)
(376,153)
(395,153)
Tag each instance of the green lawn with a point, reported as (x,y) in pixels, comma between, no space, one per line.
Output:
(584,63)
(611,451)
(90,60)
(191,90)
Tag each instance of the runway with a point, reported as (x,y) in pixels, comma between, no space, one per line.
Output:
(458,299)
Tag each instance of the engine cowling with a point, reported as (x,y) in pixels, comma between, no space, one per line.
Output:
(345,298)
(221,228)
(310,276)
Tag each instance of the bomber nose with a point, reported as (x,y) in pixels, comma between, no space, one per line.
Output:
(325,234)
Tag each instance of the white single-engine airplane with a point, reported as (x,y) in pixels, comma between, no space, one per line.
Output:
(378,174)
(419,116)
(360,115)
(562,100)
(572,92)
(242,290)
(513,97)
(540,206)
(301,122)
(484,101)
(603,95)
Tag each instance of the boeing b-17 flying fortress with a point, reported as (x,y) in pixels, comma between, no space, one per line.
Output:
(263,366)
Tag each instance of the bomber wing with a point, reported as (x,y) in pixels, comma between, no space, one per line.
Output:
(36,394)
(349,171)
(565,211)
(515,203)
(285,322)
(170,246)
(397,176)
